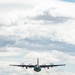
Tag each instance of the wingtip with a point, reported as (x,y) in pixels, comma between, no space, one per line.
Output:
(10,65)
(64,65)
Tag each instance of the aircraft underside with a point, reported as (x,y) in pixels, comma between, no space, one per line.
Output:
(37,68)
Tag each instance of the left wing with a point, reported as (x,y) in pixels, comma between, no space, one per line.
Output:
(47,66)
(27,66)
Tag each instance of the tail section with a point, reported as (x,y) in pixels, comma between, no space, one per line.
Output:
(37,61)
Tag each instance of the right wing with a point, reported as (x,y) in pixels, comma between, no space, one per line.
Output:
(47,66)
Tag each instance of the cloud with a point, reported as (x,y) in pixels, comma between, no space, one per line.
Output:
(7,5)
(24,1)
(25,30)
(48,37)
(45,57)
(48,12)
(45,13)
(64,56)
(53,12)
(50,56)
(47,18)
(6,40)
(9,53)
(10,49)
(47,31)
(42,42)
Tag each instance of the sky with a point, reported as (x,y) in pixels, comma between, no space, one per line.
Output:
(70,0)
(31,29)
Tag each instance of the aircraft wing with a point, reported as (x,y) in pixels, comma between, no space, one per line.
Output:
(27,66)
(47,66)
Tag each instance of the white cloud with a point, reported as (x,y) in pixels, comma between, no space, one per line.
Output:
(64,56)
(62,33)
(16,70)
(26,1)
(55,9)
(10,49)
(9,53)
(58,8)
(45,57)
(52,56)
(23,29)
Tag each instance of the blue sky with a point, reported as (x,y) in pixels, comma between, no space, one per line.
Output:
(70,0)
(31,29)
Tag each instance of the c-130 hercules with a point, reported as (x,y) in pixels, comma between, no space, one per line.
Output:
(37,67)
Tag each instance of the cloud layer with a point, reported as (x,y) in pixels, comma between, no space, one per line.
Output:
(47,31)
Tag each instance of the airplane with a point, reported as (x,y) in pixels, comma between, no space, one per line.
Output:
(37,67)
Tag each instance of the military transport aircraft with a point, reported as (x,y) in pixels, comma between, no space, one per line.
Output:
(37,67)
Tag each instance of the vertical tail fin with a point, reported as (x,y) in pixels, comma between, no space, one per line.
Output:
(37,61)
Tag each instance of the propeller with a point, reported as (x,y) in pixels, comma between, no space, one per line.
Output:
(44,64)
(30,63)
(51,64)
(22,64)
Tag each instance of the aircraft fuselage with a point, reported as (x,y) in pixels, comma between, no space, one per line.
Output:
(37,68)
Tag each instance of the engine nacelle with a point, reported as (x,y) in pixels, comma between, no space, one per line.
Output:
(47,67)
(26,67)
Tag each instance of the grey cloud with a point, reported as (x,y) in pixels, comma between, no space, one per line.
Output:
(48,18)
(6,41)
(3,50)
(44,44)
